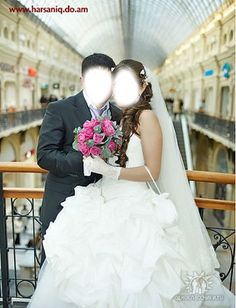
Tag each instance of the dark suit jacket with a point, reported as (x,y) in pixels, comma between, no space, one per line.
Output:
(55,153)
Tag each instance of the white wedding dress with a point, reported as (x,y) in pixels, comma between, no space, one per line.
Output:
(106,250)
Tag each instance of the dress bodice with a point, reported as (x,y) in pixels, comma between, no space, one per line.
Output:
(113,188)
(134,152)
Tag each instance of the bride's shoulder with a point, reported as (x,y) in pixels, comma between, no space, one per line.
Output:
(148,116)
(149,122)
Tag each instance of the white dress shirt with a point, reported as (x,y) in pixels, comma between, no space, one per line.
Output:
(94,110)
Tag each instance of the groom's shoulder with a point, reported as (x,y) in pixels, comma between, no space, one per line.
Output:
(64,104)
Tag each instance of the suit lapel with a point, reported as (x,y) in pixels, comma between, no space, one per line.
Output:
(114,114)
(81,108)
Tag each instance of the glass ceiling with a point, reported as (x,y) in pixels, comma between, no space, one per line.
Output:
(146,30)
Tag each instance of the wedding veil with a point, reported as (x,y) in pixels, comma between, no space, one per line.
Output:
(198,249)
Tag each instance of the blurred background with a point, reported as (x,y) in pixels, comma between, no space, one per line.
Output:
(189,44)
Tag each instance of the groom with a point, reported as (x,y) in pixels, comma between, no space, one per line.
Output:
(55,152)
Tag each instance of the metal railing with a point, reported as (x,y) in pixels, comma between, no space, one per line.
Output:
(10,120)
(16,287)
(222,127)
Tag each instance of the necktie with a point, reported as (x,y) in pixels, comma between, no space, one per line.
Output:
(97,112)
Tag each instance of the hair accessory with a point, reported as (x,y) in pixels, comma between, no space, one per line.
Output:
(143,74)
(112,69)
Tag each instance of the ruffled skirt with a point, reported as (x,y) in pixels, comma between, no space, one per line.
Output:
(107,250)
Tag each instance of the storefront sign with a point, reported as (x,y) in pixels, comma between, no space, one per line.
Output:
(44,86)
(208,72)
(226,68)
(56,85)
(32,72)
(5,67)
(27,83)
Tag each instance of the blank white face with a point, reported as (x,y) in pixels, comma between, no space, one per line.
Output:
(126,88)
(97,83)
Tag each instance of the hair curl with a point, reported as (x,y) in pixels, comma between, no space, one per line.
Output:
(130,118)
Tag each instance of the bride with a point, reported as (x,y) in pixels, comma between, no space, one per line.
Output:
(108,248)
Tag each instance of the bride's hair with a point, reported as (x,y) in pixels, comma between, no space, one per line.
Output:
(130,118)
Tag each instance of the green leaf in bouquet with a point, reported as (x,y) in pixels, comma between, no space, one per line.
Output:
(118,134)
(77,130)
(75,145)
(107,140)
(98,128)
(99,118)
(90,142)
(118,141)
(106,153)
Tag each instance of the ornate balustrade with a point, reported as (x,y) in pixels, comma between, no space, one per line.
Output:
(20,264)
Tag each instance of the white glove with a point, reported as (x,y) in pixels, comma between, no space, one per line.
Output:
(87,171)
(98,165)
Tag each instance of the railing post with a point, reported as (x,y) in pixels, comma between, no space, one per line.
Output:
(4,250)
(201,212)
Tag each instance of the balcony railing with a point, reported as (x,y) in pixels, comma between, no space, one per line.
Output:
(20,265)
(9,120)
(222,127)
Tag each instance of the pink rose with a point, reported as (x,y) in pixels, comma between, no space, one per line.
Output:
(85,150)
(82,137)
(85,135)
(111,146)
(97,138)
(91,123)
(95,122)
(108,128)
(88,133)
(96,151)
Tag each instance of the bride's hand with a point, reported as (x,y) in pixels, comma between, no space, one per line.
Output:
(98,165)
(86,165)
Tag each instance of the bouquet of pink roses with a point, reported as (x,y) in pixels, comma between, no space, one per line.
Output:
(98,137)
